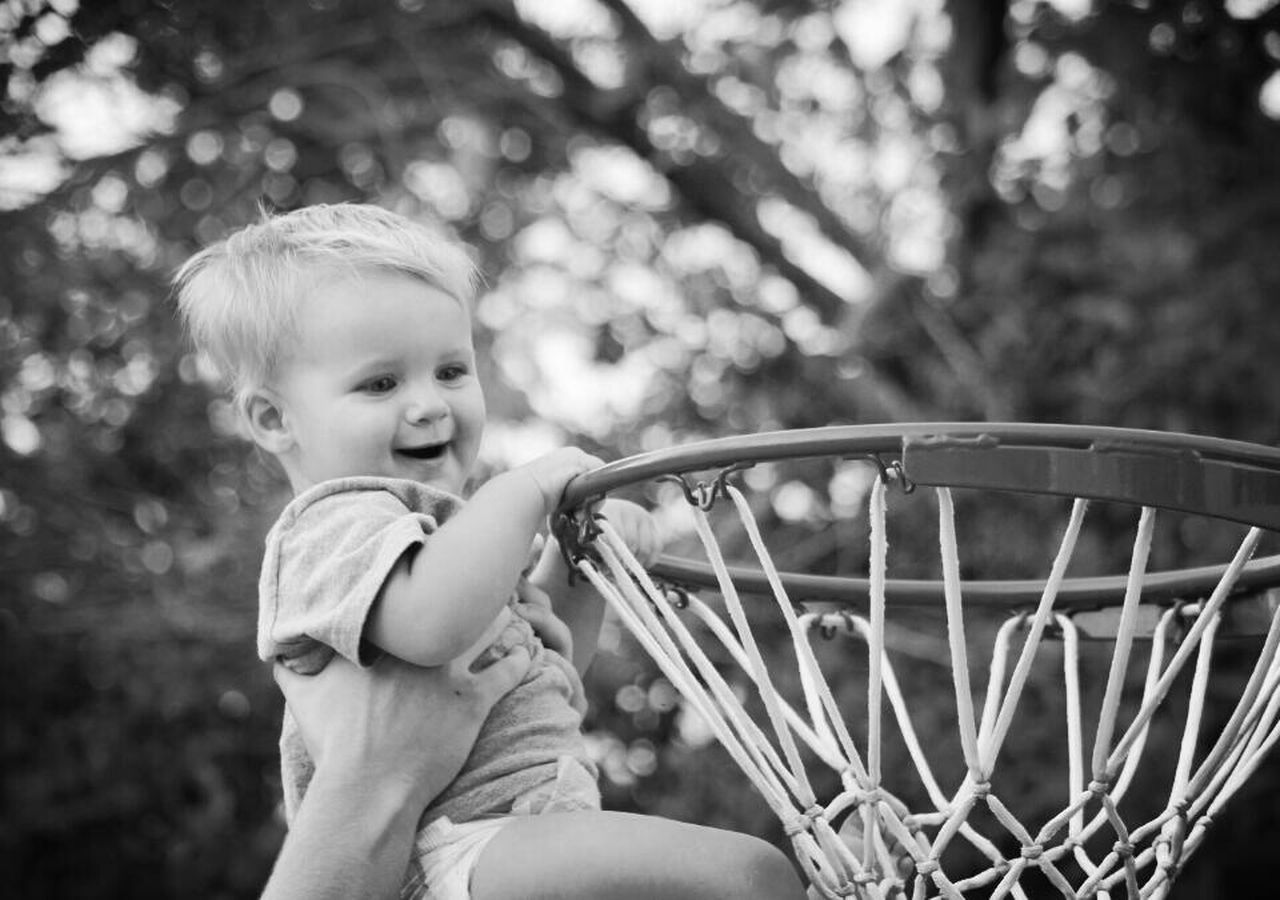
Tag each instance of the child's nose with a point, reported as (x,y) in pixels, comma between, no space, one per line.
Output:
(426,405)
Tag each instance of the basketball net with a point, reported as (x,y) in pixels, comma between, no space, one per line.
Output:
(864,842)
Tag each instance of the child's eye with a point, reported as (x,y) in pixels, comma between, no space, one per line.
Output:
(452,372)
(383,384)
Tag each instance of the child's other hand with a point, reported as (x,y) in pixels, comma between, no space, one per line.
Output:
(534,607)
(536,551)
(636,526)
(556,469)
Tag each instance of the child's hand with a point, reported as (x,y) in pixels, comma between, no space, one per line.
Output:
(534,607)
(556,469)
(636,526)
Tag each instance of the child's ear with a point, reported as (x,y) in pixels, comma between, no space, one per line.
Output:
(265,419)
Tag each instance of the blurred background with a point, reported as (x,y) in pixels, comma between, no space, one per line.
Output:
(695,219)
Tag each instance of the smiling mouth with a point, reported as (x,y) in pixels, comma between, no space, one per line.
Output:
(433,451)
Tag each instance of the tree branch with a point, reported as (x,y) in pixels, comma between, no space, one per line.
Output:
(736,130)
(705,186)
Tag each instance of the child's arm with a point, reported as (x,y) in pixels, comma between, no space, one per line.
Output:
(437,602)
(578,605)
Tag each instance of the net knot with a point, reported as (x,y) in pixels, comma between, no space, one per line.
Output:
(1123,849)
(844,888)
(1100,786)
(981,790)
(872,796)
(1173,844)
(803,822)
(1032,852)
(927,867)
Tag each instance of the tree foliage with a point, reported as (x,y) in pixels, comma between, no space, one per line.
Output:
(723,217)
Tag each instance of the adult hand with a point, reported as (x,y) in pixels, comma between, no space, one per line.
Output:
(394,720)
(385,740)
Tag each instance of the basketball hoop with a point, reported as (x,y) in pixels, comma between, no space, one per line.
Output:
(857,825)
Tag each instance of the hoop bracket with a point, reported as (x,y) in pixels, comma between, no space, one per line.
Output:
(703,493)
(891,472)
(575,531)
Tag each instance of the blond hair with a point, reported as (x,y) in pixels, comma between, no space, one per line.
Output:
(239,299)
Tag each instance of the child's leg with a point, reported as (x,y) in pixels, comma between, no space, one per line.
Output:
(617,856)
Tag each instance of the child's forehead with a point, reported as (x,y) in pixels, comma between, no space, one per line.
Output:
(355,281)
(385,311)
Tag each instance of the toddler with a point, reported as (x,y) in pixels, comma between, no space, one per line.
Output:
(344,332)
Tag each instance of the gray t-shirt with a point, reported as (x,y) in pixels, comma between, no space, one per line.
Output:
(327,557)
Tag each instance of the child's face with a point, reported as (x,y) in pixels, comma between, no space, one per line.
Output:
(381,381)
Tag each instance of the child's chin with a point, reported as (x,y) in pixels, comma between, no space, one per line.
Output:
(438,477)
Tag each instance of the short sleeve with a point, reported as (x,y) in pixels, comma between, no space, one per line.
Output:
(326,561)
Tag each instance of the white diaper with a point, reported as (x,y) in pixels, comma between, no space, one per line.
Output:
(445,856)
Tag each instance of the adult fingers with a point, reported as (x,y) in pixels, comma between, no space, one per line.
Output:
(307,701)
(298,689)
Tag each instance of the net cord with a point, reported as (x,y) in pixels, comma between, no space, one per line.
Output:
(823,857)
(1197,793)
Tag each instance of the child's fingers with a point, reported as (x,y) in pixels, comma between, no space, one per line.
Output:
(531,594)
(535,608)
(642,541)
(551,630)
(535,553)
(638,530)
(511,636)
(497,679)
(652,541)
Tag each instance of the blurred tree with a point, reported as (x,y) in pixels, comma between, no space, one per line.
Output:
(724,217)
